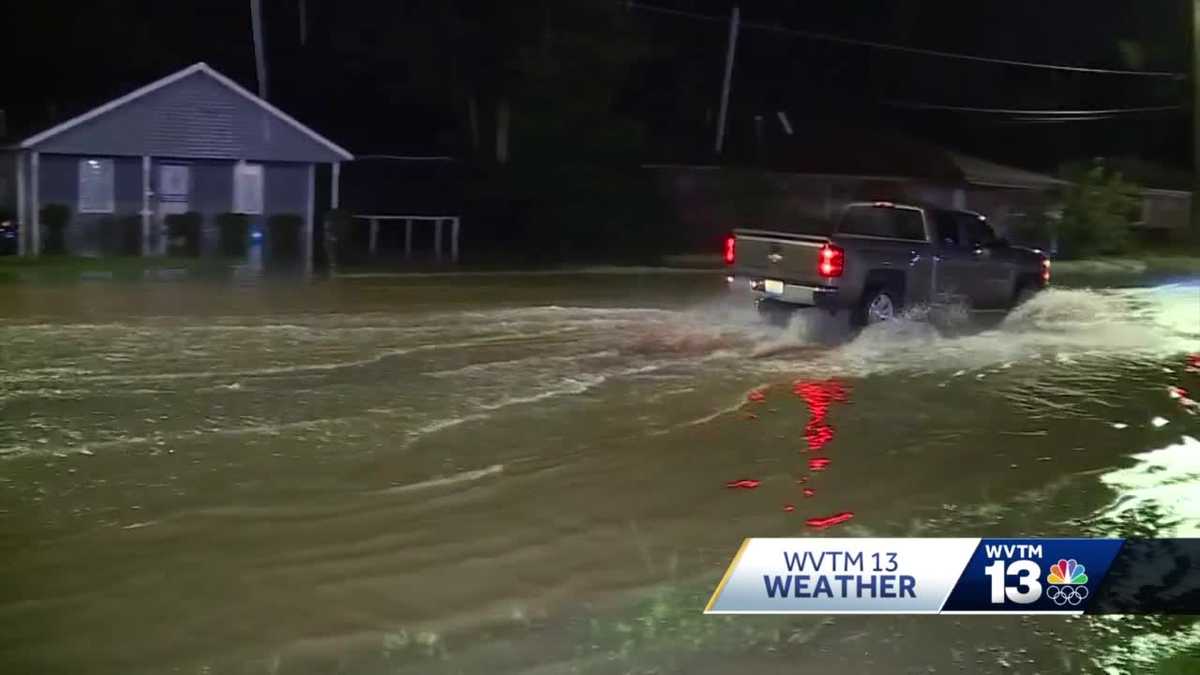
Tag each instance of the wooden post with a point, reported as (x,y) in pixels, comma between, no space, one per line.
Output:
(22,217)
(35,216)
(374,236)
(407,238)
(335,179)
(454,240)
(145,205)
(437,239)
(308,219)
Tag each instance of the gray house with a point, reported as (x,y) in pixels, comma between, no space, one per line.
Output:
(194,141)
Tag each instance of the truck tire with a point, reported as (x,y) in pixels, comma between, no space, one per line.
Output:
(878,304)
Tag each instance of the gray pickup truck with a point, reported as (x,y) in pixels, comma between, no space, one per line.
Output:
(881,257)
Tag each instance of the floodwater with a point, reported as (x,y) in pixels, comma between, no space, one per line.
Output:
(531,474)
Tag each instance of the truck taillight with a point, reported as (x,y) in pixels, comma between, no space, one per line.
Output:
(832,261)
(730,245)
(1045,270)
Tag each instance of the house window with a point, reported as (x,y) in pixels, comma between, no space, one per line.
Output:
(248,188)
(95,186)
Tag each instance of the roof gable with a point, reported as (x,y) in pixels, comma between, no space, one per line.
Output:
(194,113)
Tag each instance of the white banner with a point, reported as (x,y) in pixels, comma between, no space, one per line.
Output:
(841,576)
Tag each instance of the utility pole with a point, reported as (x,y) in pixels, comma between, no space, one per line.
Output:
(1195,224)
(735,20)
(303,22)
(260,61)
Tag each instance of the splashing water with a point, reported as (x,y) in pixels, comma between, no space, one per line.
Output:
(1056,324)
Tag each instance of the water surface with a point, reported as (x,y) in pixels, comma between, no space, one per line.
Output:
(529,474)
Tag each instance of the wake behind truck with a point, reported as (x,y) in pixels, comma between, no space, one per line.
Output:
(881,257)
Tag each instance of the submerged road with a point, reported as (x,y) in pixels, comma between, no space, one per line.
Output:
(548,474)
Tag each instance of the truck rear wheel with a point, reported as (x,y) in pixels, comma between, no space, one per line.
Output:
(878,305)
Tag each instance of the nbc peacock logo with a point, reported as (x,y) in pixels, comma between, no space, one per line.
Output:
(1068,583)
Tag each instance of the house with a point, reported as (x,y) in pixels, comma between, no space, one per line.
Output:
(812,171)
(192,142)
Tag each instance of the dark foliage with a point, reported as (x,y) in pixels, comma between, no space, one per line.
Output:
(285,236)
(183,234)
(55,218)
(233,233)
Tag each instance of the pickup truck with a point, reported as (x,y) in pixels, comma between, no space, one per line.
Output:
(882,257)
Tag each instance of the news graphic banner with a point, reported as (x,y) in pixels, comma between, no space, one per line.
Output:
(961,576)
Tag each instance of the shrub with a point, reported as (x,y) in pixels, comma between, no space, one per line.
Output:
(233,232)
(1098,208)
(338,224)
(183,234)
(285,235)
(55,218)
(338,234)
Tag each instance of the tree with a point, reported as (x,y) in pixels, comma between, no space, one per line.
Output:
(1098,208)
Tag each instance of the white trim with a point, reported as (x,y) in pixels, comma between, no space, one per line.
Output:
(175,77)
(412,158)
(335,179)
(382,216)
(146,205)
(1160,192)
(22,218)
(309,217)
(35,207)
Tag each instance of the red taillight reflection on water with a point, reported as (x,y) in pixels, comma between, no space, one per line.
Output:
(819,396)
(829,521)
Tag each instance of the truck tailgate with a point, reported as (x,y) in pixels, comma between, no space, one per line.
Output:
(793,258)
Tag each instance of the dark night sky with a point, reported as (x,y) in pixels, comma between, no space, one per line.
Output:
(358,81)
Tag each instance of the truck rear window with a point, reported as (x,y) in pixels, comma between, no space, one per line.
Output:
(883,221)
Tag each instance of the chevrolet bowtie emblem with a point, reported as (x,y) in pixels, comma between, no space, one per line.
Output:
(774,257)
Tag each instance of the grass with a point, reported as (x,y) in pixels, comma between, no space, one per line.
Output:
(57,268)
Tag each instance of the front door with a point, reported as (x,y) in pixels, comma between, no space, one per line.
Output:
(953,269)
(174,195)
(992,274)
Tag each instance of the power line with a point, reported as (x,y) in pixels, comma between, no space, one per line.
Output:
(1062,114)
(827,37)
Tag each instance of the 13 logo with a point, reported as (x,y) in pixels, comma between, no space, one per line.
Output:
(1066,579)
